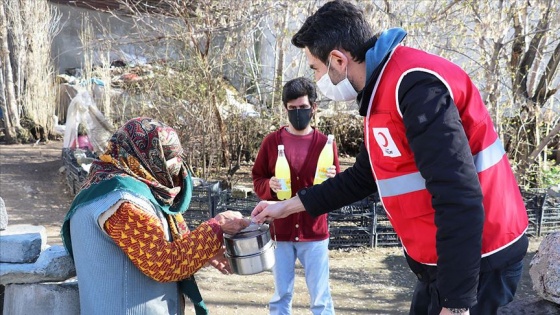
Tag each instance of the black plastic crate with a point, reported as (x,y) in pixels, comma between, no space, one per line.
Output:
(359,214)
(533,228)
(549,215)
(386,240)
(549,227)
(206,197)
(72,181)
(382,223)
(534,198)
(68,156)
(352,225)
(385,234)
(197,213)
(550,219)
(243,205)
(75,174)
(347,236)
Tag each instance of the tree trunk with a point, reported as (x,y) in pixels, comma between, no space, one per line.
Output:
(9,129)
(222,131)
(16,44)
(279,64)
(11,115)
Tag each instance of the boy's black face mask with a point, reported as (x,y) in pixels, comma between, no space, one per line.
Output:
(300,118)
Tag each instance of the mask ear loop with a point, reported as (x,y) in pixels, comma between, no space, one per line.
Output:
(346,69)
(329,66)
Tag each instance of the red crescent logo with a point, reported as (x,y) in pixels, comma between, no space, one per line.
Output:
(384,138)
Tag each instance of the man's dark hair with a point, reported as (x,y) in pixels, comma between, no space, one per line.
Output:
(337,24)
(299,87)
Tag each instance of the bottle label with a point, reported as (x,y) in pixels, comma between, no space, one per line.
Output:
(320,175)
(284,183)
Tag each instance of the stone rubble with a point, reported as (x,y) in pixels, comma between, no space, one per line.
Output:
(545,268)
(60,298)
(3,215)
(22,243)
(33,275)
(54,264)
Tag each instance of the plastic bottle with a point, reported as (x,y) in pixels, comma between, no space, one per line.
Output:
(326,160)
(282,173)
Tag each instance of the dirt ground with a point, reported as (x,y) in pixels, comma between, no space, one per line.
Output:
(363,280)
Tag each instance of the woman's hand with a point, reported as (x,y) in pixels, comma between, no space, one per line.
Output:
(220,262)
(232,222)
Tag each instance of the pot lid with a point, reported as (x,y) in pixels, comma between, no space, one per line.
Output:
(254,229)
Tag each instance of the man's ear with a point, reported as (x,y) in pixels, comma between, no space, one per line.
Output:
(338,60)
(314,108)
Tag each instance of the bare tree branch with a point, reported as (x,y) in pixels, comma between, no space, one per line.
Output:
(531,54)
(518,44)
(544,142)
(543,92)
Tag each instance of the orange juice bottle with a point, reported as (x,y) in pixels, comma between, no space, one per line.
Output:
(326,160)
(282,173)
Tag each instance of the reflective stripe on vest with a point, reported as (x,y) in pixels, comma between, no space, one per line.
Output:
(399,185)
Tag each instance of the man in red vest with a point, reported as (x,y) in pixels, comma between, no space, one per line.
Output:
(430,152)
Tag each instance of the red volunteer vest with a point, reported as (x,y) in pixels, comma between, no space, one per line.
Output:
(402,188)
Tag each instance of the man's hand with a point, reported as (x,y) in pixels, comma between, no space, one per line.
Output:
(232,221)
(266,211)
(274,184)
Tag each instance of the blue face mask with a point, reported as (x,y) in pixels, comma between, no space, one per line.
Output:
(300,118)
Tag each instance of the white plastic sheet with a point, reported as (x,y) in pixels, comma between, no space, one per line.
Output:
(82,110)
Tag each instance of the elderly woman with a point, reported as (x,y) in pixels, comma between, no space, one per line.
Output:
(125,231)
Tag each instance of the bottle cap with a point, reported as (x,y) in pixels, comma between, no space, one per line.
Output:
(280,147)
(330,137)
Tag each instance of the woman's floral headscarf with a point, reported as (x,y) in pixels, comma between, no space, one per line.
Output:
(147,150)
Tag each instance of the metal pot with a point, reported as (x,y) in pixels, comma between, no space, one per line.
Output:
(249,241)
(251,250)
(253,264)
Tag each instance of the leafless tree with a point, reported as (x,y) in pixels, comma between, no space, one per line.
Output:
(27,89)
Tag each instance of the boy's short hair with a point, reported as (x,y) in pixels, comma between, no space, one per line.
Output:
(299,87)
